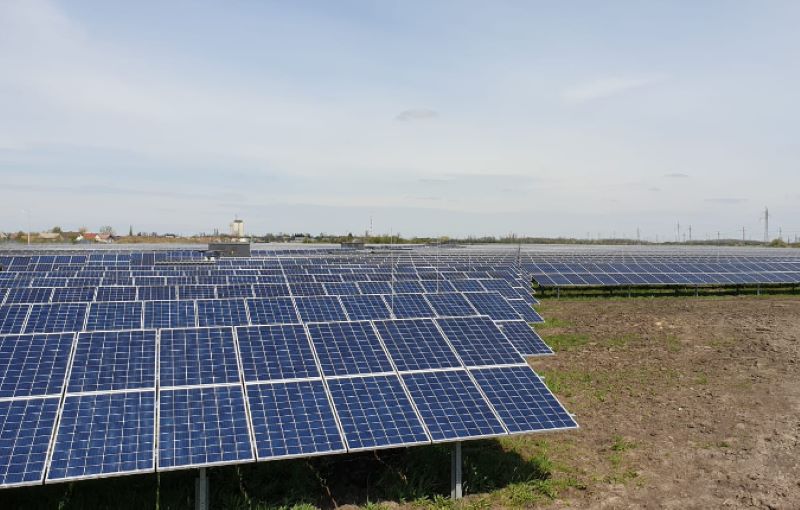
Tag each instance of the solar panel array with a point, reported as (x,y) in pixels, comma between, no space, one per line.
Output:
(121,363)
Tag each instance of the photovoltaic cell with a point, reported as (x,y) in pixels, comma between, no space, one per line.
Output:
(416,345)
(524,338)
(222,312)
(409,306)
(275,352)
(12,318)
(157,293)
(348,348)
(375,412)
(270,290)
(34,365)
(28,295)
(234,291)
(196,292)
(73,294)
(450,304)
(479,342)
(365,307)
(451,405)
(522,400)
(320,309)
(104,434)
(525,310)
(115,315)
(341,289)
(56,318)
(169,314)
(492,304)
(114,360)
(202,426)
(293,418)
(279,310)
(25,429)
(116,294)
(197,356)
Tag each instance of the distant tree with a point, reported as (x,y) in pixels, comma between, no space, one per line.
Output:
(20,234)
(56,230)
(130,231)
(106,229)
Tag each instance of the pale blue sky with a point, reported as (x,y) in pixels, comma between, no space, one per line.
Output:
(434,118)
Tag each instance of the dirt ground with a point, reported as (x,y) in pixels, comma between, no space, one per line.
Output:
(683,403)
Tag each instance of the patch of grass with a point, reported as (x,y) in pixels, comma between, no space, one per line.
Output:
(701,379)
(673,343)
(566,341)
(552,322)
(620,444)
(621,341)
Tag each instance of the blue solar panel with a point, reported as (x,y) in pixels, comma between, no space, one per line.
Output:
(524,338)
(365,307)
(234,291)
(270,290)
(114,360)
(25,429)
(375,412)
(275,352)
(104,434)
(116,294)
(479,342)
(450,304)
(115,315)
(12,318)
(320,309)
(522,400)
(197,292)
(307,289)
(341,289)
(157,293)
(410,306)
(375,287)
(202,426)
(73,294)
(525,310)
(293,418)
(197,356)
(348,348)
(437,286)
(468,285)
(451,405)
(278,310)
(32,365)
(169,314)
(492,304)
(56,318)
(222,312)
(28,295)
(408,287)
(416,345)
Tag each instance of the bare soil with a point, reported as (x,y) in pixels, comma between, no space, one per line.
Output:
(683,403)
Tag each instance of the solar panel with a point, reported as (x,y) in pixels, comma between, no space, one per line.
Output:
(524,338)
(479,342)
(28,295)
(293,419)
(12,318)
(451,406)
(341,289)
(522,400)
(275,352)
(116,294)
(348,348)
(375,412)
(525,310)
(270,290)
(33,365)
(234,291)
(278,310)
(202,426)
(56,318)
(25,429)
(375,287)
(196,292)
(437,286)
(410,306)
(307,289)
(73,294)
(221,312)
(416,345)
(115,315)
(197,356)
(320,309)
(157,293)
(169,314)
(493,305)
(365,307)
(104,434)
(114,360)
(450,304)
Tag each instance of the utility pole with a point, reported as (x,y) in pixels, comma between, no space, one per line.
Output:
(742,234)
(690,233)
(638,236)
(766,224)
(678,233)
(780,233)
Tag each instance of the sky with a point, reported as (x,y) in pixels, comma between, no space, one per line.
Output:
(428,118)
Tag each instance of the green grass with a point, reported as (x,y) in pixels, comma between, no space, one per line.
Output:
(566,341)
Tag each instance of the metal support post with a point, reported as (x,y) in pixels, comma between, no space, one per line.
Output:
(455,486)
(201,491)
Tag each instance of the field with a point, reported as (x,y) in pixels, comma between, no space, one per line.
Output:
(683,403)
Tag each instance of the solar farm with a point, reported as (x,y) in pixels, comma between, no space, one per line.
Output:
(117,363)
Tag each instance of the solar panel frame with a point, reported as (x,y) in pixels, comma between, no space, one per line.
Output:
(222,312)
(34,365)
(416,344)
(524,338)
(169,314)
(267,311)
(12,318)
(197,356)
(348,348)
(492,304)
(106,361)
(56,317)
(365,307)
(26,428)
(319,309)
(479,342)
(409,306)
(450,304)
(114,315)
(276,352)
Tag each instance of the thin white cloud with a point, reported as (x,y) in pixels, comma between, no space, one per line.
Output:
(606,87)
(416,114)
